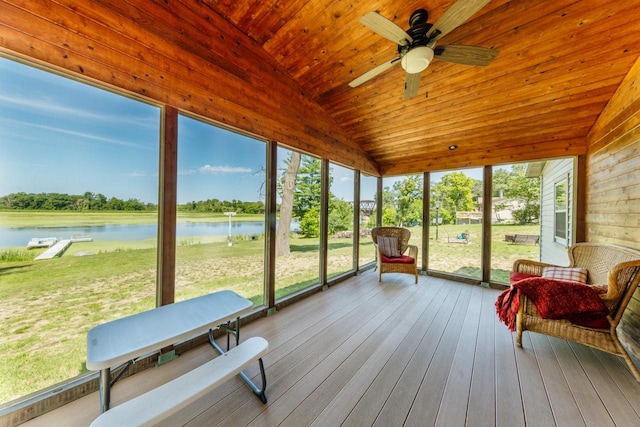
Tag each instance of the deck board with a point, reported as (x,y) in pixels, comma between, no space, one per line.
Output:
(458,385)
(481,408)
(592,409)
(385,344)
(535,401)
(400,401)
(564,407)
(391,354)
(427,401)
(366,410)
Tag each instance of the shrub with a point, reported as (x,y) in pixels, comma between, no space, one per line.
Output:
(310,223)
(15,255)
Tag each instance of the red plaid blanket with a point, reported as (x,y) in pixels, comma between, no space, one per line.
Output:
(554,299)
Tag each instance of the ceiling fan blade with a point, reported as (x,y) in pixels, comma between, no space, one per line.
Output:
(411,85)
(455,16)
(387,29)
(466,55)
(373,72)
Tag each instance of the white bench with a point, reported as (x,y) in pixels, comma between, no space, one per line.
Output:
(171,397)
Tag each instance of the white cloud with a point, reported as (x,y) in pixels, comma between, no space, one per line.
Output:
(81,137)
(224,169)
(140,174)
(51,108)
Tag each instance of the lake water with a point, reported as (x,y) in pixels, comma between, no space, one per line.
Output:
(21,236)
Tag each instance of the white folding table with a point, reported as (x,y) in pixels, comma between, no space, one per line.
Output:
(123,340)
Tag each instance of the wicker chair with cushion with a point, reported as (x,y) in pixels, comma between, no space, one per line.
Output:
(394,253)
(616,267)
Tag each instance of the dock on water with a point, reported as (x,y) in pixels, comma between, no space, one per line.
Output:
(60,246)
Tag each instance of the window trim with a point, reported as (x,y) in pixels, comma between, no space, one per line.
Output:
(557,233)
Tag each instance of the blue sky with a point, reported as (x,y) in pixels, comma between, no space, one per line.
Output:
(59,135)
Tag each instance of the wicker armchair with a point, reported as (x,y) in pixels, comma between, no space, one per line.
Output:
(615,266)
(406,263)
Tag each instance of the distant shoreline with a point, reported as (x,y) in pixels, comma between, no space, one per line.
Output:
(12,218)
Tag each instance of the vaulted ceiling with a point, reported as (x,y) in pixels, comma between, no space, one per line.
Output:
(280,69)
(560,62)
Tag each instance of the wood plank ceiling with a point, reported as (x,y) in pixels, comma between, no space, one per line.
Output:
(560,62)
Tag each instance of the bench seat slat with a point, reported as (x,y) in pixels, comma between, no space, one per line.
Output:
(169,398)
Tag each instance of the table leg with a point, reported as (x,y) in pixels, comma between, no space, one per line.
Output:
(105,389)
(237,330)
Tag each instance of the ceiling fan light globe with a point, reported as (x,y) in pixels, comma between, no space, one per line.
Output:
(417,59)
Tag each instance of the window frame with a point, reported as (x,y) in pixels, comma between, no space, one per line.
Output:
(558,210)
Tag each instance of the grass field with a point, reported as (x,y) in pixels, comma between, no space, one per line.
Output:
(47,307)
(16,219)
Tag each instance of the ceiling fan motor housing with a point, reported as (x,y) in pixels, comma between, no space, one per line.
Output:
(417,56)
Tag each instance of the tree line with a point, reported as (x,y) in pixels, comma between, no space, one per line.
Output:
(456,192)
(99,202)
(299,187)
(72,202)
(215,205)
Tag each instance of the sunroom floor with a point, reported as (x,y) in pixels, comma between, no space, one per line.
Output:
(393,353)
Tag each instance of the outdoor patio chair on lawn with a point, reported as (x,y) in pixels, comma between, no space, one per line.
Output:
(617,272)
(394,253)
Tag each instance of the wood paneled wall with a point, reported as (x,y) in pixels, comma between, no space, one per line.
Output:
(181,55)
(613,183)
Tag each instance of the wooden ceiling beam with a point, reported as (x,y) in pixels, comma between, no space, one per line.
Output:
(442,161)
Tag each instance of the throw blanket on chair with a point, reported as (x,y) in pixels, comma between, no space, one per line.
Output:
(554,299)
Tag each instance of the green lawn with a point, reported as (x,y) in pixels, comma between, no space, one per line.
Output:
(15,219)
(465,259)
(50,305)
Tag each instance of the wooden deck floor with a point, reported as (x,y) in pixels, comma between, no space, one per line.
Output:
(393,354)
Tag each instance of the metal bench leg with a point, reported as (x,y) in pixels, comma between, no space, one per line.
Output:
(258,391)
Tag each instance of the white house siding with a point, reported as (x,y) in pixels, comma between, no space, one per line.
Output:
(555,171)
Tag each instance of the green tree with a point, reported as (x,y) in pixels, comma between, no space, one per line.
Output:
(115,204)
(389,215)
(408,195)
(527,192)
(310,222)
(308,186)
(340,216)
(455,192)
(500,184)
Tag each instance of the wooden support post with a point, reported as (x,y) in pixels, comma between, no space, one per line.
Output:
(270,227)
(486,223)
(356,221)
(324,221)
(167,207)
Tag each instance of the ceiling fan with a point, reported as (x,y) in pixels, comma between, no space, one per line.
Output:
(417,46)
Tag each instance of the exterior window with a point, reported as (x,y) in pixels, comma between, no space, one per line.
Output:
(368,208)
(455,223)
(560,211)
(340,220)
(515,218)
(220,212)
(298,231)
(402,206)
(78,171)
